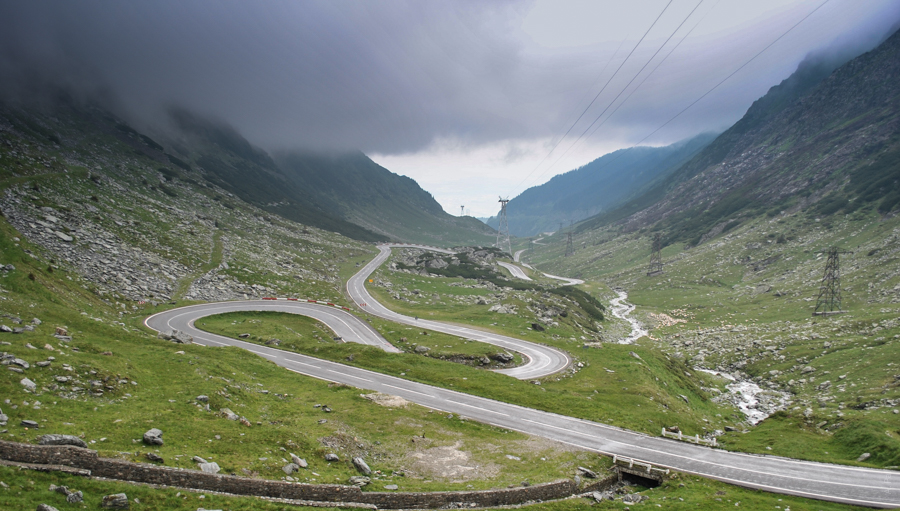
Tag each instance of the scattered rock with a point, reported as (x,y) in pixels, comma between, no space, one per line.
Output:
(152,456)
(46,507)
(300,462)
(4,328)
(229,414)
(153,437)
(391,487)
(28,384)
(332,457)
(176,336)
(115,501)
(503,357)
(64,237)
(361,465)
(586,472)
(422,349)
(53,439)
(290,468)
(863,457)
(537,327)
(61,331)
(198,459)
(30,424)
(359,481)
(210,468)
(75,497)
(202,398)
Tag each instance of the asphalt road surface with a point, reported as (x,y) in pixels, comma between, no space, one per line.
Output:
(514,270)
(838,483)
(345,325)
(541,360)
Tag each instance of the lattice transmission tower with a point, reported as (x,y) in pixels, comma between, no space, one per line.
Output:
(655,255)
(503,228)
(570,249)
(829,301)
(462,211)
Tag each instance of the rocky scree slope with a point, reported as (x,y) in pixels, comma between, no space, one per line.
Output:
(134,230)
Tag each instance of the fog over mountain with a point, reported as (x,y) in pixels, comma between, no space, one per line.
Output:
(406,80)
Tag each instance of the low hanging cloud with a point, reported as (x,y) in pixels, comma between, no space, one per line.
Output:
(392,78)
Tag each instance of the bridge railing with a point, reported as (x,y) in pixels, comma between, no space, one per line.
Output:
(696,439)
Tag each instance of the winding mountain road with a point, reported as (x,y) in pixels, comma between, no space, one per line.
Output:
(838,483)
(514,270)
(542,360)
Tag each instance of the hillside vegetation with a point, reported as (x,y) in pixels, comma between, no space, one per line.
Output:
(745,227)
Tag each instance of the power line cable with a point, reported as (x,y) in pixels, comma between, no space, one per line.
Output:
(557,141)
(716,86)
(652,71)
(580,137)
(601,91)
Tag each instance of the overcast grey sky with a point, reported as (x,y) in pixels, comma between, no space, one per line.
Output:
(465,97)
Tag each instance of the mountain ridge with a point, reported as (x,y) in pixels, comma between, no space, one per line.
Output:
(795,146)
(596,186)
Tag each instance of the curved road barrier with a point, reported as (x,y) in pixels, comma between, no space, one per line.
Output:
(837,483)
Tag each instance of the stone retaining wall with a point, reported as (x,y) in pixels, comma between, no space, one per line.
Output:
(153,474)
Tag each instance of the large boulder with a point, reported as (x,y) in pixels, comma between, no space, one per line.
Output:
(176,336)
(62,440)
(300,462)
(114,501)
(361,465)
(436,263)
(359,481)
(153,437)
(210,468)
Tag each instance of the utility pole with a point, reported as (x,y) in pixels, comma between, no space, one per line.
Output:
(655,255)
(503,228)
(829,301)
(570,250)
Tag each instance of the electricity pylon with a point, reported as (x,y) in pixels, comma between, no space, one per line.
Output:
(503,228)
(570,250)
(829,301)
(462,211)
(655,255)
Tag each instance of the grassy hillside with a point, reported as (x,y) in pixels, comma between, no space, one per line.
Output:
(741,304)
(97,232)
